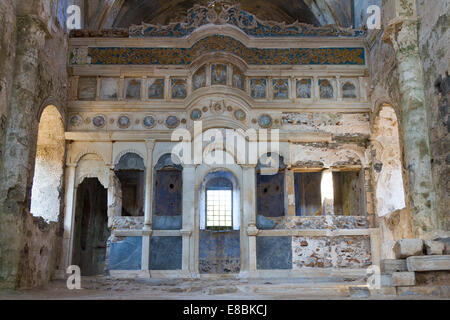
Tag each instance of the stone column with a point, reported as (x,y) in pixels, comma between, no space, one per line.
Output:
(69,214)
(289,192)
(148,212)
(249,230)
(402,33)
(327,191)
(20,139)
(148,207)
(190,225)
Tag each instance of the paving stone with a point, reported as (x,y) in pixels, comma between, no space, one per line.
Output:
(434,247)
(428,263)
(403,279)
(405,248)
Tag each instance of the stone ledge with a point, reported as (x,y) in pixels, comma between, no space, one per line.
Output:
(428,263)
(428,291)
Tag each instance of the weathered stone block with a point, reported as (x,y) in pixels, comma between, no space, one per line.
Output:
(405,248)
(428,263)
(434,247)
(445,241)
(386,280)
(389,266)
(400,279)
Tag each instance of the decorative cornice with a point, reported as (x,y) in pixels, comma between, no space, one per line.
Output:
(224,14)
(199,16)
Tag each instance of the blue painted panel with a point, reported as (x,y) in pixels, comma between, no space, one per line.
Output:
(274,253)
(167,222)
(165,253)
(219,252)
(126,254)
(270,195)
(220,244)
(168,197)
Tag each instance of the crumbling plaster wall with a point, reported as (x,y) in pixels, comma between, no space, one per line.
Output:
(37,77)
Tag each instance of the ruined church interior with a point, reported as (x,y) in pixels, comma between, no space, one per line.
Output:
(331,121)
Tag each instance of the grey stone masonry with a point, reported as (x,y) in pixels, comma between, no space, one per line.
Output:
(405,248)
(434,247)
(400,279)
(389,266)
(428,263)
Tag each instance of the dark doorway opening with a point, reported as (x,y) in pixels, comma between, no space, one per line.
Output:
(91,228)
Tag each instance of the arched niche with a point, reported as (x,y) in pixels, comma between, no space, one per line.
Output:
(167,194)
(270,185)
(130,170)
(47,186)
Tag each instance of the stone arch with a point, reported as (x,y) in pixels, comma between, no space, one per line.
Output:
(218,57)
(47,185)
(80,155)
(92,165)
(124,152)
(52,101)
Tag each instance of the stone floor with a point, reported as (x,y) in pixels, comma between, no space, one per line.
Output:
(101,288)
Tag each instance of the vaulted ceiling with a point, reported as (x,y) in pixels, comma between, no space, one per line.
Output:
(104,14)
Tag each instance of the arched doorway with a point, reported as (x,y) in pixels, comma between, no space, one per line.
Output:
(91,227)
(219,238)
(46,192)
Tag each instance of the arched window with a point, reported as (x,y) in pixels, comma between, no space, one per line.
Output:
(48,173)
(219,203)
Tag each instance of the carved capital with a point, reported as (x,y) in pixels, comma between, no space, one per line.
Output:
(252,231)
(186,233)
(150,143)
(147,232)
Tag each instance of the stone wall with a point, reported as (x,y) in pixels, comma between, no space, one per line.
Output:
(396,81)
(33,63)
(434,37)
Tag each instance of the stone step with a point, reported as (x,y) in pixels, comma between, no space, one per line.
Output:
(306,289)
